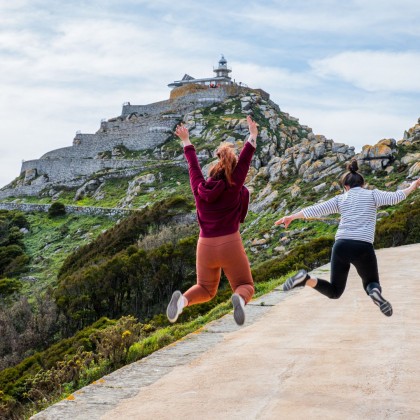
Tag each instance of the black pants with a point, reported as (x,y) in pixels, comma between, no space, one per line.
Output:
(345,252)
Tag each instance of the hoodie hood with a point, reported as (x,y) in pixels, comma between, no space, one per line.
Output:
(210,190)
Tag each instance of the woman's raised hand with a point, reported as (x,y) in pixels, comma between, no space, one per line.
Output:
(253,130)
(182,132)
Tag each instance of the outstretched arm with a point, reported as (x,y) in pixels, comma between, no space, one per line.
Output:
(286,220)
(322,209)
(414,185)
(388,198)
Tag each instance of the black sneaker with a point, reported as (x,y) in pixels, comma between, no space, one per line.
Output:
(298,280)
(238,310)
(378,299)
(174,307)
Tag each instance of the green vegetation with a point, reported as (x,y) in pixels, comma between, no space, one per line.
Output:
(50,241)
(56,209)
(13,256)
(402,227)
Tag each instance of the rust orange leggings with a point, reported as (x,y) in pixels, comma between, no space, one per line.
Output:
(225,253)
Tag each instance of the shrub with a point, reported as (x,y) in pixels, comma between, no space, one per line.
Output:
(400,228)
(9,286)
(57,209)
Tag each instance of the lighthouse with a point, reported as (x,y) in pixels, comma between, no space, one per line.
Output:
(222,71)
(221,78)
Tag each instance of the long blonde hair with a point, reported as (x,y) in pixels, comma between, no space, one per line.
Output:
(226,164)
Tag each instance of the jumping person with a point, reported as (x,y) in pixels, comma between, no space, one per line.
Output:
(354,238)
(222,203)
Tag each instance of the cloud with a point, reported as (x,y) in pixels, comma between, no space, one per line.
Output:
(329,16)
(373,70)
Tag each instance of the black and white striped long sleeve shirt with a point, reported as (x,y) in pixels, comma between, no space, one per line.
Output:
(358,211)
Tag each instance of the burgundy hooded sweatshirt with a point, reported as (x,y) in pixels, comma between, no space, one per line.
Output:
(220,207)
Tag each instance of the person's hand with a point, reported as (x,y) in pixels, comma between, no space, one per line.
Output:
(182,132)
(414,185)
(286,220)
(253,130)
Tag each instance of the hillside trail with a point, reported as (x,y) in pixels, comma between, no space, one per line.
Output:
(299,356)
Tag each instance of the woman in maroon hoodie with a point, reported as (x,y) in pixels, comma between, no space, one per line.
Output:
(222,203)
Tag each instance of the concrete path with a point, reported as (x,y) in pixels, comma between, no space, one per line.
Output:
(306,357)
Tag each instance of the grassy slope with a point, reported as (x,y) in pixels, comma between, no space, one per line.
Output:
(50,241)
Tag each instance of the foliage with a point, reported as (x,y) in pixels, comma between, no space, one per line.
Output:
(134,281)
(400,228)
(26,328)
(124,234)
(113,343)
(13,259)
(57,209)
(9,287)
(13,380)
(50,241)
(48,383)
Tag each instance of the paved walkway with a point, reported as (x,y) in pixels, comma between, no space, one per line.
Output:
(305,357)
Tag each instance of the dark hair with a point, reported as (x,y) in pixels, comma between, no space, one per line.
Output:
(352,178)
(226,164)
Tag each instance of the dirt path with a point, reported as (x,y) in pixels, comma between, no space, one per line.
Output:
(307,357)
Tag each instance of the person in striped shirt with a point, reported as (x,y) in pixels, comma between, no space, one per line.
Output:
(354,238)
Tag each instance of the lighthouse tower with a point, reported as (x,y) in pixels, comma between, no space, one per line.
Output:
(221,78)
(222,70)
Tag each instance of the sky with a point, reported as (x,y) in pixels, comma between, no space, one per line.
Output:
(349,70)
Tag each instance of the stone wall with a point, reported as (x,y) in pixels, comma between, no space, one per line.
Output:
(91,211)
(61,170)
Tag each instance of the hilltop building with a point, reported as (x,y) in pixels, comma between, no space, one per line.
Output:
(222,77)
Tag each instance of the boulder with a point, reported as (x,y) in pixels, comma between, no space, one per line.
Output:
(410,157)
(43,179)
(414,170)
(30,174)
(318,151)
(264,199)
(320,187)
(87,189)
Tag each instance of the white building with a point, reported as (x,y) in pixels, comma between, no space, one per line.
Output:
(221,78)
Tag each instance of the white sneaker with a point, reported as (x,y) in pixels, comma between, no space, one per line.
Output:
(298,280)
(175,307)
(378,299)
(238,309)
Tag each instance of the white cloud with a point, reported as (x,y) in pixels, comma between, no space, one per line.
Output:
(373,70)
(352,16)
